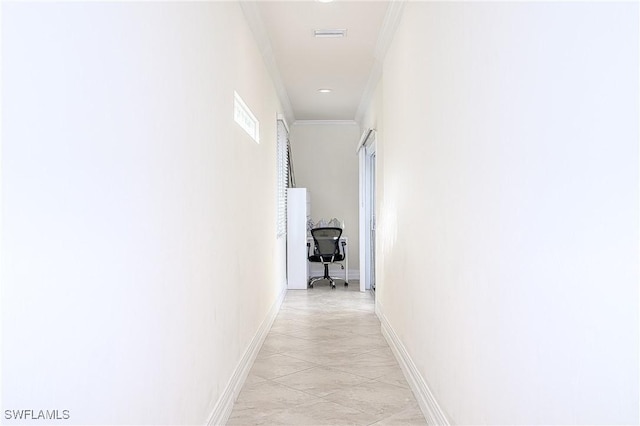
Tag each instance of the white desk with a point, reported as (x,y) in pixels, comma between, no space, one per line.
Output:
(297,218)
(344,240)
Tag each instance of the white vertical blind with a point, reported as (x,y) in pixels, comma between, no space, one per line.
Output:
(283,177)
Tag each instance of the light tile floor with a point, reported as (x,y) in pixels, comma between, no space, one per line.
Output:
(325,362)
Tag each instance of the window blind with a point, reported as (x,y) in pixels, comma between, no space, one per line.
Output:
(283,177)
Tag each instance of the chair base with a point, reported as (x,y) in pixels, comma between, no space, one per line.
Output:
(313,280)
(332,282)
(327,277)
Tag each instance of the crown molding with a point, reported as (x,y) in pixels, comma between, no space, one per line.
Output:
(385,37)
(388,29)
(325,123)
(256,24)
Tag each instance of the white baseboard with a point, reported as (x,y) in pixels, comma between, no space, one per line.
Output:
(430,408)
(223,407)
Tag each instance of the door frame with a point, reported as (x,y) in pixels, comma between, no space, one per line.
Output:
(366,149)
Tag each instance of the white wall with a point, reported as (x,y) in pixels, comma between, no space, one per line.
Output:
(325,162)
(508,208)
(133,208)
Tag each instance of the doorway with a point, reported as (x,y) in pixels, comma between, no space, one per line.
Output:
(371,216)
(367,156)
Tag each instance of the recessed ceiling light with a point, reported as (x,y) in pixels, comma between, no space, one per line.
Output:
(330,33)
(324,1)
(324,90)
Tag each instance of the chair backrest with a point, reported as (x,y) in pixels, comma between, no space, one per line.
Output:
(326,241)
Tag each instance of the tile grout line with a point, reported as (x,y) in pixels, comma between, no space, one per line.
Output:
(303,314)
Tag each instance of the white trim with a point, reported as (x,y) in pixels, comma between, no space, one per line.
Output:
(363,139)
(282,118)
(223,407)
(362,217)
(256,24)
(430,408)
(388,29)
(385,36)
(325,122)
(369,90)
(368,142)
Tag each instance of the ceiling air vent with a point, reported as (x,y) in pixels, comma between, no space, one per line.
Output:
(330,33)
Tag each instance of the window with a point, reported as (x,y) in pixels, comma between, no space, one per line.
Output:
(283,176)
(245,118)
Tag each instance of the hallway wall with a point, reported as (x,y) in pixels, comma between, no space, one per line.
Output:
(508,208)
(326,163)
(133,208)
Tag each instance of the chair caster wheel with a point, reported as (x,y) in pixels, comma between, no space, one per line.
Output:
(310,285)
(346,284)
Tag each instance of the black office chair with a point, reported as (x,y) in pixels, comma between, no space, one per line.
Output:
(326,250)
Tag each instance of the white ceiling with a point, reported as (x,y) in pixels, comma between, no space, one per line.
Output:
(301,63)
